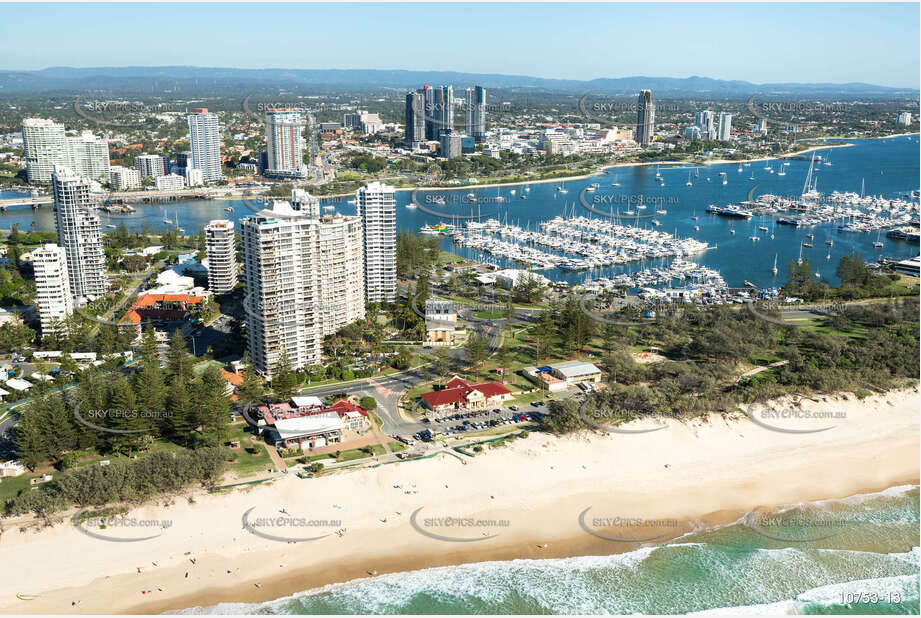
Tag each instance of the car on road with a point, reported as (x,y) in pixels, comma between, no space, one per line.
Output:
(513,408)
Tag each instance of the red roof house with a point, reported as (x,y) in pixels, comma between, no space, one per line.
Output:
(460,394)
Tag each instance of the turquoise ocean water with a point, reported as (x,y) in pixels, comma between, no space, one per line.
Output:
(869,545)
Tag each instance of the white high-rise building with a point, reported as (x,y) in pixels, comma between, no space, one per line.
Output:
(220,243)
(122,178)
(284,144)
(376,205)
(304,281)
(88,156)
(725,127)
(205,143)
(78,234)
(45,145)
(903,119)
(52,286)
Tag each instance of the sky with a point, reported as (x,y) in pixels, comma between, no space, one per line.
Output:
(761,43)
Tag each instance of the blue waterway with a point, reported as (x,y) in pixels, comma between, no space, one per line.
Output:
(888,167)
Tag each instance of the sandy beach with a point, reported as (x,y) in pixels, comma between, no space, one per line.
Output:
(527,498)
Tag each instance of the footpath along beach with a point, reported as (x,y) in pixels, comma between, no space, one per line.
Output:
(525,500)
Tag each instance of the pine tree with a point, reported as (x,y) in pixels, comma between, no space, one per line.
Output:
(251,389)
(178,362)
(285,380)
(213,406)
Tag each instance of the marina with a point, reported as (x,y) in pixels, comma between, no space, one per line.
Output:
(872,186)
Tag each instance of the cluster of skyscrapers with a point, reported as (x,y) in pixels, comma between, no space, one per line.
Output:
(429,116)
(705,128)
(307,275)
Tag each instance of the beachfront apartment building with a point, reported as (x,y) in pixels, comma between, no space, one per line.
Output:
(304,281)
(377,207)
(284,143)
(78,234)
(220,244)
(205,144)
(903,119)
(122,178)
(645,118)
(52,286)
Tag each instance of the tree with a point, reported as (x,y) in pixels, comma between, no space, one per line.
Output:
(543,335)
(285,380)
(476,349)
(213,406)
(368,404)
(403,360)
(442,361)
(178,363)
(251,389)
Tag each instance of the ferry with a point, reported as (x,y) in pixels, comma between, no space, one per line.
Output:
(436,230)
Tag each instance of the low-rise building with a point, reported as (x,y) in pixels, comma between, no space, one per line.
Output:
(170,182)
(441,327)
(458,394)
(560,376)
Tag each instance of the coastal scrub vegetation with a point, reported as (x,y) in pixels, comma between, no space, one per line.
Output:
(867,346)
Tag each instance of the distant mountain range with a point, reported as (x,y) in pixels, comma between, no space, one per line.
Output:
(178,81)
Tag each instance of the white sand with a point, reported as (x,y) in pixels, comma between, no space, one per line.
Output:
(717,469)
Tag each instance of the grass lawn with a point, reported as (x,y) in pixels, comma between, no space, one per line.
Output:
(489,314)
(10,486)
(247,464)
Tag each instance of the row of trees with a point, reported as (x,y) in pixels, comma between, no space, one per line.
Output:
(124,414)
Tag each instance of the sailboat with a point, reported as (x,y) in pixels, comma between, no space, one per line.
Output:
(696,172)
(615,183)
(826,162)
(689,183)
(527,188)
(782,171)
(562,188)
(774,270)
(658,175)
(878,244)
(799,260)
(740,168)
